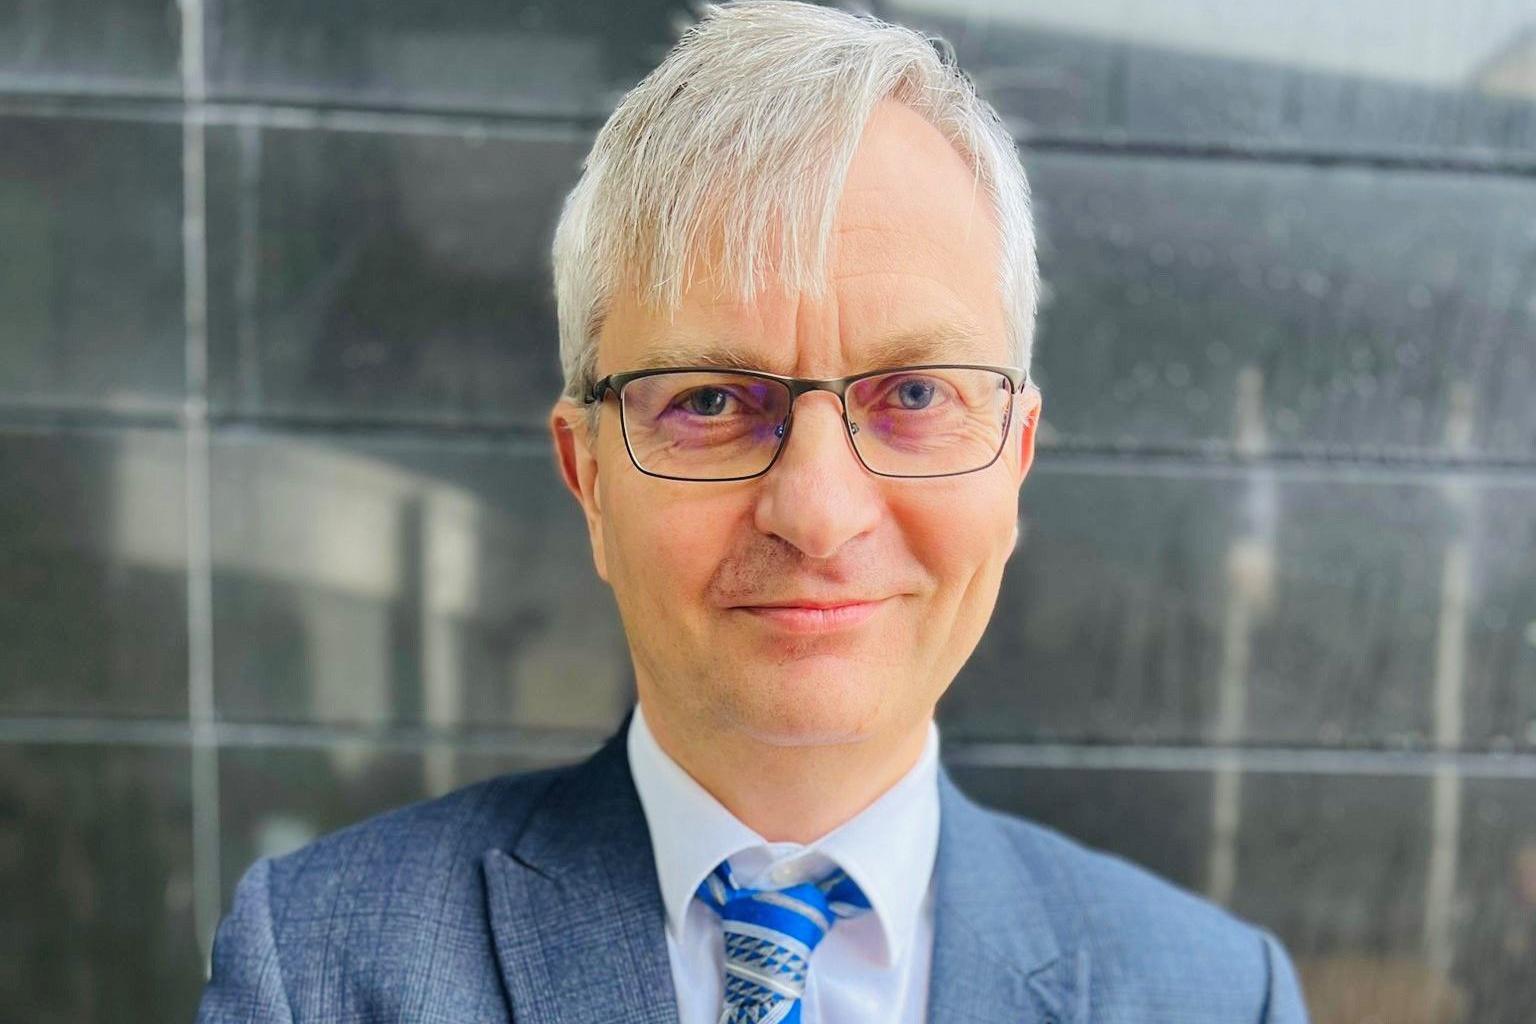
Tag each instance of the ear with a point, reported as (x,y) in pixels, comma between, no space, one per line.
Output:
(1027,417)
(577,461)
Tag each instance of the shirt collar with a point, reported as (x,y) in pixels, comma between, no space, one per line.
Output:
(888,848)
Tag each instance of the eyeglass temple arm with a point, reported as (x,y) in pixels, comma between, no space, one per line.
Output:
(594,391)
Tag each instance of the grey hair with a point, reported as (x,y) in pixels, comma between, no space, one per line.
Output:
(744,134)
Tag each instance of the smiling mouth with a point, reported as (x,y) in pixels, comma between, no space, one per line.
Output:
(814,618)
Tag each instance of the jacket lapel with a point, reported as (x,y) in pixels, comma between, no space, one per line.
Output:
(575,907)
(580,932)
(996,957)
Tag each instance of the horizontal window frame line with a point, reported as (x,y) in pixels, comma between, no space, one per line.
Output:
(1201,459)
(1293,463)
(316,113)
(166,732)
(958,750)
(1247,760)
(295,114)
(1480,161)
(21,419)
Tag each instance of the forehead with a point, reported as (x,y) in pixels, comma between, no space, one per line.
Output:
(913,277)
(936,342)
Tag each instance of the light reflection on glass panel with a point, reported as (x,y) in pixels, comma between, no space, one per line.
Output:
(434,583)
(1370,74)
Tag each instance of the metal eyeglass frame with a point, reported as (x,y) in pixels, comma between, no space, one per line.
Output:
(1018,380)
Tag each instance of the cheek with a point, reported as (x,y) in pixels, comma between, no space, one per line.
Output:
(669,545)
(655,540)
(963,532)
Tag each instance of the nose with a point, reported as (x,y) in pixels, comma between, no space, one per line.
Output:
(818,495)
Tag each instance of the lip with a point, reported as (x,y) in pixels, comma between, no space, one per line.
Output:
(815,618)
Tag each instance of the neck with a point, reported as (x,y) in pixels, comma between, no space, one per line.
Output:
(787,793)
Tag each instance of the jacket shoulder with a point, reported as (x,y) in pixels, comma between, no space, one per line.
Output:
(1155,946)
(356,914)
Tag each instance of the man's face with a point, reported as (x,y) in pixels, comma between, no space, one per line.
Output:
(687,561)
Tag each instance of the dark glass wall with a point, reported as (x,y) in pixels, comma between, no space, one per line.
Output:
(281,542)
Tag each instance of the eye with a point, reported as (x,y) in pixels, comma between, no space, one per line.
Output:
(706,402)
(915,392)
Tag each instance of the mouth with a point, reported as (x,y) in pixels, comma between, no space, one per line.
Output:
(818,617)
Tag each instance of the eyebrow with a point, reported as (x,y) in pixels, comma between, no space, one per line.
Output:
(946,342)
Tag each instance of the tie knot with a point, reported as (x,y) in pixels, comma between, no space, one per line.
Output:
(804,912)
(770,934)
(822,901)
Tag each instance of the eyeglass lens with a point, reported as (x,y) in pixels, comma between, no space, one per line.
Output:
(703,425)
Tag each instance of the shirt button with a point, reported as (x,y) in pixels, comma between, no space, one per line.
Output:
(782,874)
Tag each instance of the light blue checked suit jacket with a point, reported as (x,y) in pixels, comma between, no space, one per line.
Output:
(533,899)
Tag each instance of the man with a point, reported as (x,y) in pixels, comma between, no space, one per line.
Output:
(796,288)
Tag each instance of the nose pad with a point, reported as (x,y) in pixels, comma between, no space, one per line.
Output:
(779,431)
(817,498)
(782,430)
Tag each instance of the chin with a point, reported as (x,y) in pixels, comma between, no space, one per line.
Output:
(809,711)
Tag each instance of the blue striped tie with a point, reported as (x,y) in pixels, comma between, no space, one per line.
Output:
(769,936)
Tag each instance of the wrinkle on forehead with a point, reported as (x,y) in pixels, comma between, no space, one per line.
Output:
(939,342)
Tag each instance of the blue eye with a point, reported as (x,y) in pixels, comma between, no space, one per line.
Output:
(917,389)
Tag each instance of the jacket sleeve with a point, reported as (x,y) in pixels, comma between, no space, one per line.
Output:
(245,984)
(1283,1002)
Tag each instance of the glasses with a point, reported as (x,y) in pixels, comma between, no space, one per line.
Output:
(690,423)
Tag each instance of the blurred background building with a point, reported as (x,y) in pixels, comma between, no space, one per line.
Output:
(282,543)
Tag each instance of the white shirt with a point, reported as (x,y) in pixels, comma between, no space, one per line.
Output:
(869,969)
